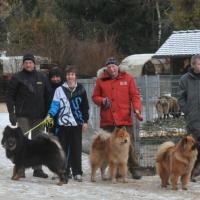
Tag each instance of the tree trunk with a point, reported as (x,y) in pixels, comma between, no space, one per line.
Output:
(159,22)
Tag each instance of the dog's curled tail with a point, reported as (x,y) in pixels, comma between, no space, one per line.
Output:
(101,135)
(163,149)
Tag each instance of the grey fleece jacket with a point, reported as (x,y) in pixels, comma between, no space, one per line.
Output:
(189,101)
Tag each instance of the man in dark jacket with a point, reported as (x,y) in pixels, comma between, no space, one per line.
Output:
(189,97)
(26,99)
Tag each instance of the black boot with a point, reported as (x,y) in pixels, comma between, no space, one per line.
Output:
(135,175)
(39,173)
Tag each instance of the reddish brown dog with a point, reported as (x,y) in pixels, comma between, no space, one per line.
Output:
(110,149)
(174,161)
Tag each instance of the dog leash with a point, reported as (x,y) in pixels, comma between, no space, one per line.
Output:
(114,122)
(47,122)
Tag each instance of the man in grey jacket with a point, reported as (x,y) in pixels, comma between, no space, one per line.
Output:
(189,97)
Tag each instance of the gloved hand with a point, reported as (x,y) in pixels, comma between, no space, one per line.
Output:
(138,115)
(13,119)
(106,102)
(49,121)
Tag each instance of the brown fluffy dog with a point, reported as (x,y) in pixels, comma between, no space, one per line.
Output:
(110,149)
(162,107)
(174,161)
(166,106)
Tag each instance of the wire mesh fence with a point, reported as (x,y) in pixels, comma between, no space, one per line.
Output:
(151,132)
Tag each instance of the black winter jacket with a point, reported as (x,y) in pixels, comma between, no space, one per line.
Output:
(27,94)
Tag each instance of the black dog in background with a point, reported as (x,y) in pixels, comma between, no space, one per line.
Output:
(25,153)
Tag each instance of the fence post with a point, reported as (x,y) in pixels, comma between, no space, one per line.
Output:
(158,84)
(136,134)
(146,89)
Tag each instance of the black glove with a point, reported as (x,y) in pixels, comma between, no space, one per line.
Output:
(13,119)
(106,102)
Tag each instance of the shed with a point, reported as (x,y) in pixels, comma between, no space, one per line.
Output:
(179,48)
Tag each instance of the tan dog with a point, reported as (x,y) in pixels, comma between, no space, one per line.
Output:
(162,107)
(174,161)
(110,149)
(166,106)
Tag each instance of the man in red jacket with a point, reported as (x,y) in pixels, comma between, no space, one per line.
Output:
(116,94)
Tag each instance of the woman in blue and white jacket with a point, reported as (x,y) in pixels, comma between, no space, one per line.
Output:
(71,104)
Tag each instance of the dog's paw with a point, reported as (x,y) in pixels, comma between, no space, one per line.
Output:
(125,180)
(93,180)
(15,178)
(114,181)
(164,185)
(174,188)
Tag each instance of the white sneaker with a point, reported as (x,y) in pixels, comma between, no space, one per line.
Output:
(78,178)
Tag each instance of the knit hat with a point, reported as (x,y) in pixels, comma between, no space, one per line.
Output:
(111,60)
(55,71)
(29,56)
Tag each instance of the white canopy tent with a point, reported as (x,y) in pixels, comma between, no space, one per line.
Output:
(134,64)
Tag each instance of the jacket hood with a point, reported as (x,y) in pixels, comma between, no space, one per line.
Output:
(103,74)
(55,72)
(193,74)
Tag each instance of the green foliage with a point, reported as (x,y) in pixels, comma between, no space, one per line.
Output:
(44,36)
(185,14)
(29,6)
(134,22)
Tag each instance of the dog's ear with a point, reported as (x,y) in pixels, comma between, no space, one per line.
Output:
(120,128)
(116,129)
(124,128)
(19,131)
(7,128)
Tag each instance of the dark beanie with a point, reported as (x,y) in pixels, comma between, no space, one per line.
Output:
(56,71)
(29,56)
(111,60)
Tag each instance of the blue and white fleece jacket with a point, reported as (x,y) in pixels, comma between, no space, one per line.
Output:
(71,107)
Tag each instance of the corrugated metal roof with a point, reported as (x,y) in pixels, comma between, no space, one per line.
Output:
(180,43)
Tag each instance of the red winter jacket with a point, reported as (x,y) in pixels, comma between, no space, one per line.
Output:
(123,94)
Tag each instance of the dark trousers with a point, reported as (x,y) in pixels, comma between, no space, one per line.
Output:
(26,124)
(132,159)
(70,138)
